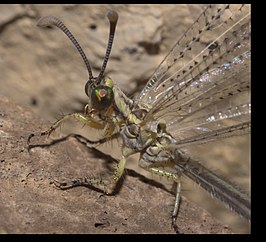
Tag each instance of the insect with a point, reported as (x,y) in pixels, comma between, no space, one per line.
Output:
(191,98)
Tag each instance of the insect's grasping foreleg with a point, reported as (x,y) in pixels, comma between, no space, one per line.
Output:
(84,119)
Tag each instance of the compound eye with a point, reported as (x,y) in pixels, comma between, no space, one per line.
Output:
(102,97)
(88,87)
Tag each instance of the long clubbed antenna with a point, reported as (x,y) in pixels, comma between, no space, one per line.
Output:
(113,17)
(51,20)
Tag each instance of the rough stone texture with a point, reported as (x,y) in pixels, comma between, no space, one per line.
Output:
(42,70)
(30,203)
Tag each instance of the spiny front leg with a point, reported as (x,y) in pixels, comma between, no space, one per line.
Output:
(96,182)
(84,119)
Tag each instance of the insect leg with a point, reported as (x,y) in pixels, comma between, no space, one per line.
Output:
(172,176)
(156,169)
(84,119)
(90,143)
(92,181)
(176,207)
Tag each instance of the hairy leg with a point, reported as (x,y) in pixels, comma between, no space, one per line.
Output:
(96,182)
(84,119)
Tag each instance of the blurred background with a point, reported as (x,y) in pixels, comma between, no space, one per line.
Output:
(41,69)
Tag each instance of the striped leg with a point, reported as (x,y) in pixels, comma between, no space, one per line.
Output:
(172,176)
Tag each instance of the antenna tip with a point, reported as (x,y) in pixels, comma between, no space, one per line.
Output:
(45,21)
(112,16)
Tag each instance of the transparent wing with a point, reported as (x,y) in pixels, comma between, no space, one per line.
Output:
(202,86)
(193,47)
(232,121)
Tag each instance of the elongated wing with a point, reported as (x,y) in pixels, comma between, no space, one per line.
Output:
(203,87)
